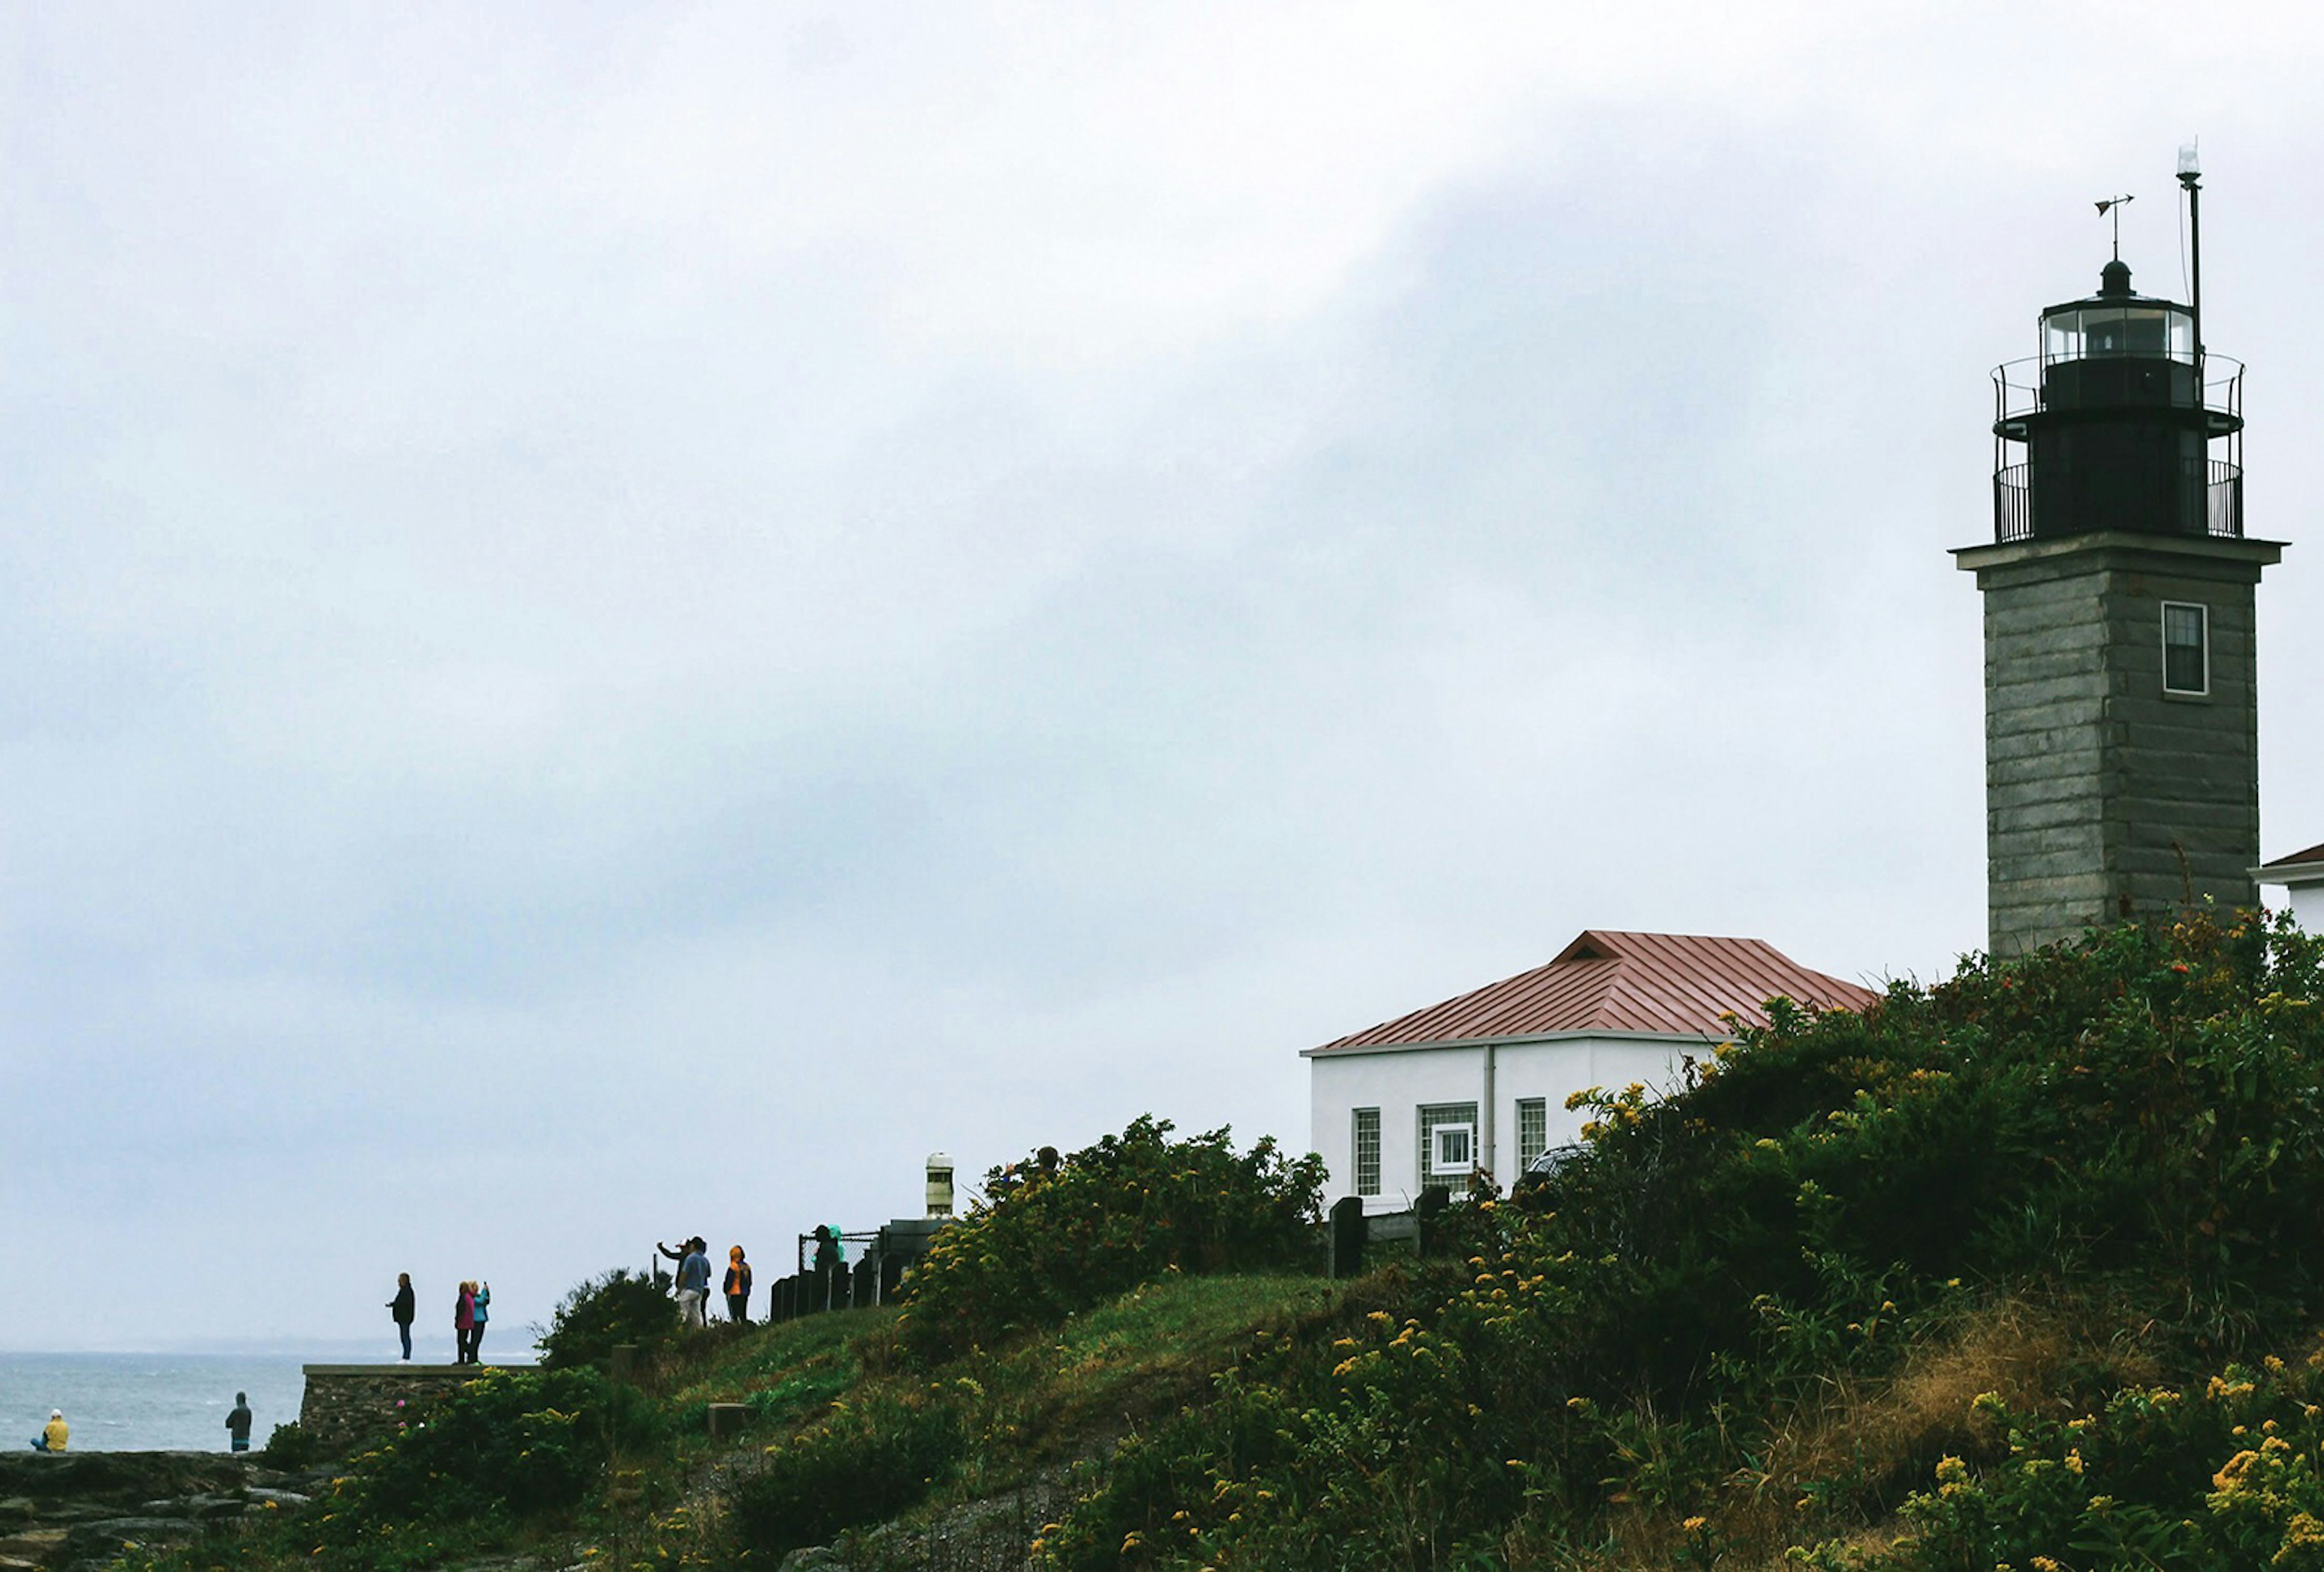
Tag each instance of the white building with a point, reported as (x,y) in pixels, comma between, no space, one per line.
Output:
(1481,1081)
(2301,874)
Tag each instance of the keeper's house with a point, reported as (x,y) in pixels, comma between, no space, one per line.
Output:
(2301,874)
(1481,1081)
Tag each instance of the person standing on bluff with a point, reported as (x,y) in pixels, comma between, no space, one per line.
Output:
(405,1308)
(463,1321)
(693,1279)
(738,1287)
(237,1423)
(54,1435)
(482,1307)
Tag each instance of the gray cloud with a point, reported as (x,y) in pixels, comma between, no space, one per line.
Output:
(617,622)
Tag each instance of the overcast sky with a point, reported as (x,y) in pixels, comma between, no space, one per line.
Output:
(619,620)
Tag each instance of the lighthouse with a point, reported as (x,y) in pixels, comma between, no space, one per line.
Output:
(2121,692)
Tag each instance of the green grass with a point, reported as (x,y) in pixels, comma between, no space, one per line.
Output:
(913,1447)
(783,1373)
(1112,1367)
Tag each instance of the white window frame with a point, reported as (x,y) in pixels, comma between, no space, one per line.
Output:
(2203,626)
(1364,1151)
(1432,1117)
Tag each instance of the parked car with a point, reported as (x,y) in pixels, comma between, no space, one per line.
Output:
(1547,1166)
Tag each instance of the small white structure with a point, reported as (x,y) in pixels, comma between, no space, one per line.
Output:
(1481,1081)
(2301,874)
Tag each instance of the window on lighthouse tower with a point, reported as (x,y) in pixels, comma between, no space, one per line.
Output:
(2186,648)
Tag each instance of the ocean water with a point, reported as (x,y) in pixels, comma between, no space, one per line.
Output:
(136,1402)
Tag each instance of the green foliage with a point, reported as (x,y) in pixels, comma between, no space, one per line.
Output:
(2138,1114)
(514,1443)
(2227,1475)
(289,1447)
(865,1463)
(619,1307)
(1122,1212)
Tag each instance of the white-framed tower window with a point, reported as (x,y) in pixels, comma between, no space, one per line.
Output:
(1533,1130)
(1448,1144)
(2186,648)
(1364,1151)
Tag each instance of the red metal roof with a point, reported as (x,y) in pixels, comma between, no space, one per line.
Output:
(2314,854)
(1676,983)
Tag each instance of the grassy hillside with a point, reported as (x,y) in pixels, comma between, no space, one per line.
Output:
(2019,1269)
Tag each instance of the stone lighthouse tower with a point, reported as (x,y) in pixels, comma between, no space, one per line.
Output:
(2121,699)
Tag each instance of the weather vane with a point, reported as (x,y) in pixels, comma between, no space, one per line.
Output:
(2114,205)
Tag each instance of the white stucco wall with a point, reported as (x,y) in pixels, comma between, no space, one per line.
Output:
(1397,1082)
(2307,902)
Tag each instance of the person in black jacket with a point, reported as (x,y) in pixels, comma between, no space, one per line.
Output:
(404,1307)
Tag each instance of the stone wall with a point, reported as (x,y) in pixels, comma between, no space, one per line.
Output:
(2105,796)
(351,1406)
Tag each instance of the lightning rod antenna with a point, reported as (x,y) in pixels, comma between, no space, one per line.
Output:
(2190,177)
(2114,205)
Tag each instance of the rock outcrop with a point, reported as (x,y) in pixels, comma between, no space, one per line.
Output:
(79,1510)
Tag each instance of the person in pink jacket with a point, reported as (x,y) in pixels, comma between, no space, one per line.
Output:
(464,1323)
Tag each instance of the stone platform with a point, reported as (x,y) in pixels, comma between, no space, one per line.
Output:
(350,1406)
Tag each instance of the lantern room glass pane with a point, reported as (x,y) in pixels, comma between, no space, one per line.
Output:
(2146,331)
(2154,332)
(2102,332)
(2062,336)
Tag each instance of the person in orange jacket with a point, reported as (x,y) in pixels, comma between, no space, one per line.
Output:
(738,1287)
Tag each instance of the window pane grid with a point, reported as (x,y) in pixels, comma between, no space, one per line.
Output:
(1367,1151)
(2186,654)
(1533,1130)
(1459,1123)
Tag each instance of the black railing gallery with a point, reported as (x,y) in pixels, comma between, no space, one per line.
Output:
(2210,502)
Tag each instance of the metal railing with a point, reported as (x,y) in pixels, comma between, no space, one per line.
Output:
(2018,386)
(2220,512)
(2013,505)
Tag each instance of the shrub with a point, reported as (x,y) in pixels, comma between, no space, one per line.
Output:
(2224,1474)
(863,1465)
(602,1313)
(289,1447)
(1062,1234)
(513,1442)
(2137,1119)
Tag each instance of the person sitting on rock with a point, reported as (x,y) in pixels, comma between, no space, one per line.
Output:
(54,1434)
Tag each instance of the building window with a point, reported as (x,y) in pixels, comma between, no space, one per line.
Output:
(1533,1130)
(1448,1144)
(1366,1150)
(2186,648)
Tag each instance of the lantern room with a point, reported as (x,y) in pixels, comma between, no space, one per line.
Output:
(2122,422)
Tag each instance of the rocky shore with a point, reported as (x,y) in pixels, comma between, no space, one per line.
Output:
(78,1510)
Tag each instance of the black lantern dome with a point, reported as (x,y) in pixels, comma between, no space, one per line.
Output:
(2111,427)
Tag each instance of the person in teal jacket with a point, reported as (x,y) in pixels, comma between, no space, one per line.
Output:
(483,1313)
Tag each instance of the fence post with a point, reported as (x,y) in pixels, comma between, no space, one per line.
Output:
(1430,1214)
(1348,1231)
